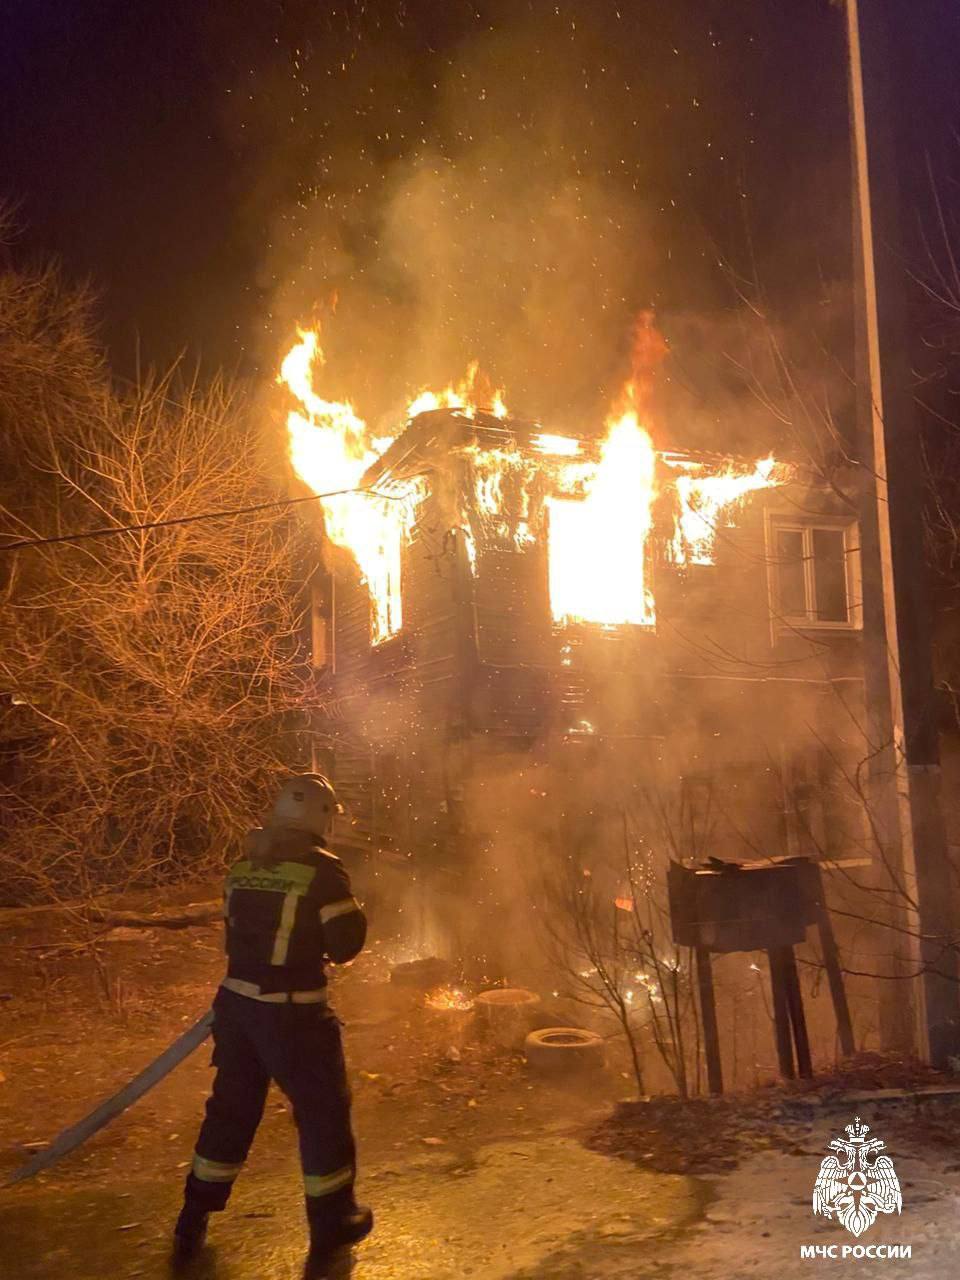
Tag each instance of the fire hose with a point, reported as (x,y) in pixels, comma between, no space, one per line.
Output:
(115,1105)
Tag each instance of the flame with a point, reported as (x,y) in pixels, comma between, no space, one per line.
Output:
(448,998)
(593,540)
(331,449)
(597,551)
(597,505)
(648,350)
(466,396)
(502,480)
(703,500)
(559,446)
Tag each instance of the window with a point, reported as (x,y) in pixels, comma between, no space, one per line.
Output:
(814,573)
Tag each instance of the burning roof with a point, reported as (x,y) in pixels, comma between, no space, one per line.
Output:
(589,500)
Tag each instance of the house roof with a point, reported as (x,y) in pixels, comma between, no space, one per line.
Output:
(434,434)
(431,436)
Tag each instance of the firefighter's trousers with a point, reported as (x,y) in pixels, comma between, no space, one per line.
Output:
(299,1047)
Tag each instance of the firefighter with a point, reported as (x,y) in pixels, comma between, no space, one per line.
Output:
(288,909)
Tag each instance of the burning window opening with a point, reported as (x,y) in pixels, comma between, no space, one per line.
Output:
(597,545)
(589,503)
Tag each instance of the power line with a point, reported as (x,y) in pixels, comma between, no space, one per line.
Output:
(109,530)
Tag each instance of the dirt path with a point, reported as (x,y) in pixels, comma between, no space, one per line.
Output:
(474,1167)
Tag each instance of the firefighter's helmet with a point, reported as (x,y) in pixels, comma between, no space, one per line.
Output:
(307,803)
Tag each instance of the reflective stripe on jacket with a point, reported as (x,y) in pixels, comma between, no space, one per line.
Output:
(288,908)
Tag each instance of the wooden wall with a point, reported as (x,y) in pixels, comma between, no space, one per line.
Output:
(480,672)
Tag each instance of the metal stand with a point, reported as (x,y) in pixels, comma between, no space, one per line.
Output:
(762,906)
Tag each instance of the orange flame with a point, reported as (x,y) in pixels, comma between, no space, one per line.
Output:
(471,393)
(648,351)
(331,449)
(558,446)
(599,504)
(590,540)
(704,500)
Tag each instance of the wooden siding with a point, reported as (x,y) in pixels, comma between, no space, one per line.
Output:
(479,671)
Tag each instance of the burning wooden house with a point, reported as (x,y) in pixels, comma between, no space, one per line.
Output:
(524,636)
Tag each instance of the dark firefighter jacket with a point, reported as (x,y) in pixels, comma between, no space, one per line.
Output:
(288,908)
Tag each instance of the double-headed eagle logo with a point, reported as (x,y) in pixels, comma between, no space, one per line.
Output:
(856,1184)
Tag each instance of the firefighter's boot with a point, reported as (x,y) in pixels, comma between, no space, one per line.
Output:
(190,1232)
(342,1222)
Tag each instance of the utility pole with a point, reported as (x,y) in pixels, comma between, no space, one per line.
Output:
(915,880)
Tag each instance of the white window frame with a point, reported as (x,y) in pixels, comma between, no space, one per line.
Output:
(805,525)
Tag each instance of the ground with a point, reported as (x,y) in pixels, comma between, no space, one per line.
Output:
(475,1166)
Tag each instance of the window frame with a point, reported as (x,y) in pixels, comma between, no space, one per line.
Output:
(806,525)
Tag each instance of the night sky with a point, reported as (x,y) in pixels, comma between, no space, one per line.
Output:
(510,180)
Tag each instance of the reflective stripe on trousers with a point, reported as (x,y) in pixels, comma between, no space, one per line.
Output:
(214,1170)
(297,1045)
(325,1184)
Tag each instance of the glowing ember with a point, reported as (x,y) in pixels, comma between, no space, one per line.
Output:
(703,500)
(597,546)
(330,449)
(449,998)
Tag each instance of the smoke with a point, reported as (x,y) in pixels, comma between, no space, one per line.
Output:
(513,184)
(753,379)
(497,243)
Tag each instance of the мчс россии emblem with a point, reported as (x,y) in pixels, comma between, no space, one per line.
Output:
(855,1183)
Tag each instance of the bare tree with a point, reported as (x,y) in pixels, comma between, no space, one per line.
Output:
(149,680)
(608,932)
(587,944)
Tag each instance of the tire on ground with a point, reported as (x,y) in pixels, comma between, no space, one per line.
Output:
(501,1002)
(561,1049)
(505,1014)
